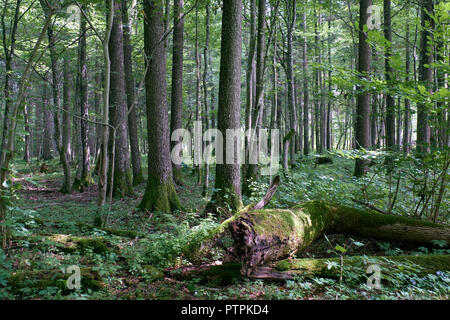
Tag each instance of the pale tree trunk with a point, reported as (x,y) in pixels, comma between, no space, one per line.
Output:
(160,194)
(65,188)
(228,178)
(291,8)
(83,178)
(258,102)
(198,117)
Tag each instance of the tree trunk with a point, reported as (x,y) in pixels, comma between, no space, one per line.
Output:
(228,178)
(305,89)
(205,92)
(160,194)
(426,75)
(122,181)
(251,173)
(132,105)
(390,100)
(177,80)
(83,178)
(362,128)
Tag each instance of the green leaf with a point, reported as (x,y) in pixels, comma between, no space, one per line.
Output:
(341,249)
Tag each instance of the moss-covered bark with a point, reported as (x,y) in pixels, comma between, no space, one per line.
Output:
(428,264)
(263,236)
(160,197)
(42,279)
(310,268)
(123,183)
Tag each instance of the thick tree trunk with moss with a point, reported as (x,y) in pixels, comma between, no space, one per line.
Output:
(263,236)
(160,194)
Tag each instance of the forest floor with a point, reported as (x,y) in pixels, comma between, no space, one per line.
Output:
(131,267)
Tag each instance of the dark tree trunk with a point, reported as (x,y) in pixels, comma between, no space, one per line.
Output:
(425,76)
(250,97)
(390,100)
(122,181)
(407,114)
(305,89)
(228,179)
(132,105)
(26,117)
(205,91)
(362,134)
(177,80)
(160,194)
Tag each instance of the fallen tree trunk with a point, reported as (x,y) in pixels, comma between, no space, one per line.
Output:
(43,279)
(263,236)
(309,268)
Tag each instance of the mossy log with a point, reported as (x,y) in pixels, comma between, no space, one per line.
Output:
(309,268)
(263,236)
(70,244)
(43,279)
(420,265)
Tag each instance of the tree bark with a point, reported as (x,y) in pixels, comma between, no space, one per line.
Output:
(228,178)
(426,75)
(177,80)
(132,106)
(362,128)
(122,183)
(160,193)
(263,236)
(305,89)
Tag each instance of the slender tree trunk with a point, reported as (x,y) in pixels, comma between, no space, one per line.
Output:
(26,117)
(305,88)
(177,80)
(160,194)
(122,181)
(205,91)
(407,114)
(132,106)
(291,6)
(426,75)
(198,117)
(363,106)
(250,97)
(83,178)
(390,100)
(258,102)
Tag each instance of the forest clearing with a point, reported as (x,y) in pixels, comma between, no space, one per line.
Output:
(224,150)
